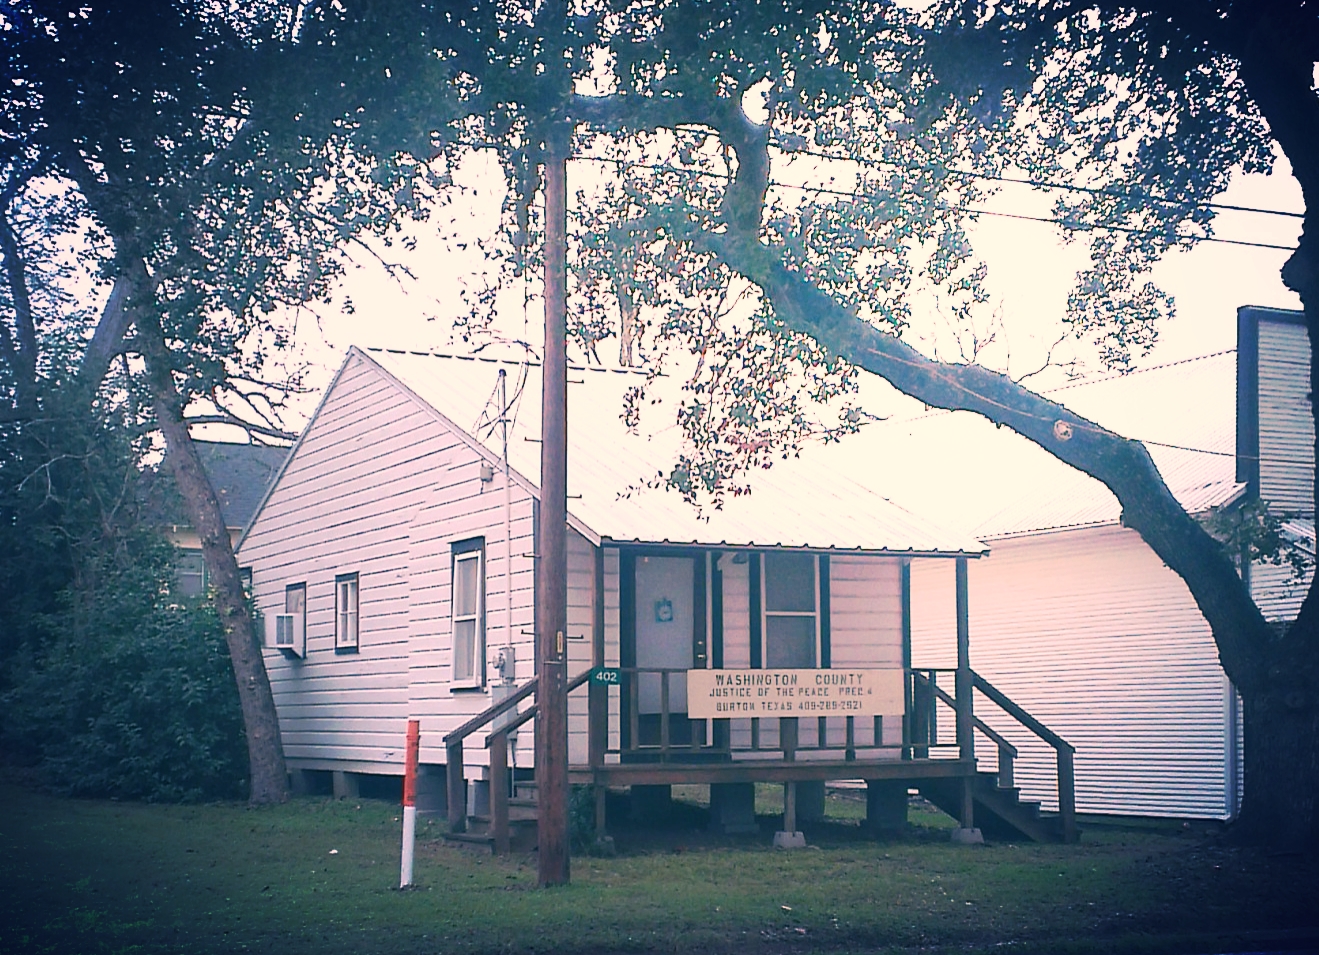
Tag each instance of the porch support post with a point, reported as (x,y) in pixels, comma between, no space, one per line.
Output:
(790,837)
(966,831)
(597,701)
(965,734)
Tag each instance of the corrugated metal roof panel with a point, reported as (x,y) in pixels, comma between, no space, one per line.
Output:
(801,502)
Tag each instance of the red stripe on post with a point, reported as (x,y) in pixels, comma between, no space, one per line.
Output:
(410,765)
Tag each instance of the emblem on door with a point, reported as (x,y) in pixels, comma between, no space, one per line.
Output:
(664,610)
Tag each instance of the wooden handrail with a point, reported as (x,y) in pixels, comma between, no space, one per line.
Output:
(532,710)
(1020,715)
(1064,751)
(996,737)
(490,712)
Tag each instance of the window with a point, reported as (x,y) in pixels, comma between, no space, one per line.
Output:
(790,585)
(190,573)
(345,613)
(468,614)
(290,633)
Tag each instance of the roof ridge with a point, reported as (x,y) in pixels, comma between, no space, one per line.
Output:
(529,363)
(1113,376)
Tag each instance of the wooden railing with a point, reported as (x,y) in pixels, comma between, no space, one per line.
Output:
(1064,751)
(497,743)
(1007,753)
(718,742)
(926,694)
(453,745)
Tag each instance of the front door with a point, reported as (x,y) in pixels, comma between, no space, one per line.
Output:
(666,619)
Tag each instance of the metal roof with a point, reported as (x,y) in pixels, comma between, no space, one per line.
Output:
(802,502)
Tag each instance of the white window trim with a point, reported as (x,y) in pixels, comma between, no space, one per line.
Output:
(766,614)
(468,550)
(347,615)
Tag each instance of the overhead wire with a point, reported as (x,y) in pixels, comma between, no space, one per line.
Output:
(1061,186)
(971,210)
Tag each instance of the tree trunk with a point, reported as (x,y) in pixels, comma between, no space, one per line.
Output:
(1281,763)
(1281,706)
(269,776)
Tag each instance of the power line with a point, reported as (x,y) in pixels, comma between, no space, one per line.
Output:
(846,193)
(1067,187)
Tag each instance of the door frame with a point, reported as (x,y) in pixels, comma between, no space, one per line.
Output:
(702,634)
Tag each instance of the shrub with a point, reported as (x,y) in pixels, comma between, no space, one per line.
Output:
(130,694)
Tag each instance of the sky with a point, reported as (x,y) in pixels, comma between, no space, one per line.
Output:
(1031,271)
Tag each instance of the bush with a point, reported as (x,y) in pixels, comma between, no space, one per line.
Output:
(130,694)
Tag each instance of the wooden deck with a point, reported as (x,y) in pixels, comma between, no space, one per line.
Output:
(945,771)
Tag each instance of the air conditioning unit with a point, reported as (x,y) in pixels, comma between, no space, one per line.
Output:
(286,633)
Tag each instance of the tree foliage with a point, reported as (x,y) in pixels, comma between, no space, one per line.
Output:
(128,691)
(777,187)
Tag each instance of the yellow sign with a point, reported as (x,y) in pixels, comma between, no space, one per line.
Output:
(724,694)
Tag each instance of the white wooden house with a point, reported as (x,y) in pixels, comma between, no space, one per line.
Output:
(393,560)
(1072,614)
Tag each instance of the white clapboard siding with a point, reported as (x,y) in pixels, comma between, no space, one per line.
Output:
(737,637)
(1286,424)
(1095,637)
(382,486)
(865,630)
(581,628)
(456,512)
(1277,590)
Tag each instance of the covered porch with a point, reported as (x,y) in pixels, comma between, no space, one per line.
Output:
(646,708)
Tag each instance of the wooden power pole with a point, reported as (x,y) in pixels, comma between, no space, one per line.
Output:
(552,546)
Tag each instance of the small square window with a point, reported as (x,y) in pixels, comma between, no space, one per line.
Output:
(345,613)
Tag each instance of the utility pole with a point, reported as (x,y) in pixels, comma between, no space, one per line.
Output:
(552,562)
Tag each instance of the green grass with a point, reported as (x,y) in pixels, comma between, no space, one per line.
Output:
(320,876)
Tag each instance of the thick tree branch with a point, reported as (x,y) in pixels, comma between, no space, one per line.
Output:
(24,345)
(1122,465)
(108,338)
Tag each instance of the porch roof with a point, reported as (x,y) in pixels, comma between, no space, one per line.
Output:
(801,502)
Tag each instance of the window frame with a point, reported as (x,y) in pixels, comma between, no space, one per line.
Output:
(299,648)
(814,615)
(471,549)
(350,617)
(188,555)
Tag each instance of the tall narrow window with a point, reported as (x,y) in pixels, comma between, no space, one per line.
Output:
(791,602)
(468,614)
(345,613)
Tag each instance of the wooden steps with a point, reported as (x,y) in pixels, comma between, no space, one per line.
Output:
(1000,812)
(523,819)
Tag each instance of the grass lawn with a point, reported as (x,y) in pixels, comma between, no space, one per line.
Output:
(320,876)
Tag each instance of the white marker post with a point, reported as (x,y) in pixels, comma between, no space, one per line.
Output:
(410,801)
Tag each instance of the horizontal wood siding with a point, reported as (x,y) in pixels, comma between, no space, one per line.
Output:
(381,487)
(1094,636)
(1286,425)
(581,624)
(865,628)
(1277,590)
